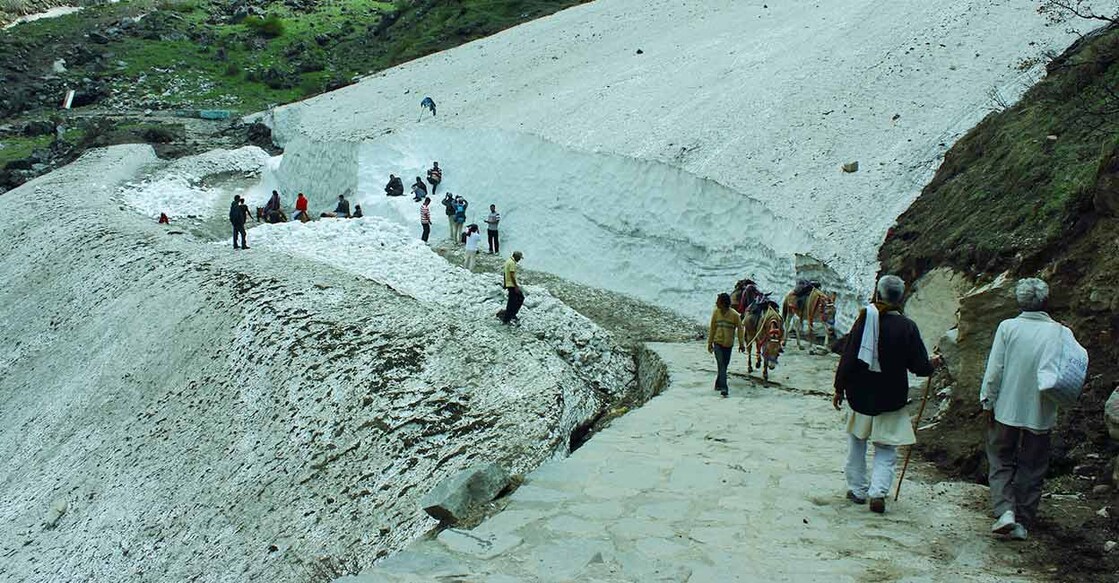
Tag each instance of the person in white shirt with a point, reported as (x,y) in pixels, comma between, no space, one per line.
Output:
(491,229)
(473,239)
(1019,418)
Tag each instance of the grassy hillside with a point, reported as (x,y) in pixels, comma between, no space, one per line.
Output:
(1034,190)
(198,53)
(180,56)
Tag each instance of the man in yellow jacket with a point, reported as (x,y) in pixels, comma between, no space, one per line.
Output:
(725,325)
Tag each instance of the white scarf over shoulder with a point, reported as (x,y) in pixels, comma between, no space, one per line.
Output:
(868,346)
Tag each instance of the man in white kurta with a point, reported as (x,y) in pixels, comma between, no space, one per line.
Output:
(1019,417)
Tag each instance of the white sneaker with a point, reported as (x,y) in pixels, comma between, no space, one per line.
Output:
(1019,532)
(1005,523)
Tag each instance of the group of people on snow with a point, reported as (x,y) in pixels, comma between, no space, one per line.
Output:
(454,206)
(883,347)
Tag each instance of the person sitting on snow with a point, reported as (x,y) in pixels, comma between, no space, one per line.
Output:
(394,187)
(357,212)
(301,209)
(342,210)
(419,190)
(434,176)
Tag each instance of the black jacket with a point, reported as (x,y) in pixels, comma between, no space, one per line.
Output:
(900,349)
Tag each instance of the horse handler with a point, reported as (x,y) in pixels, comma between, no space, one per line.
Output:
(882,346)
(725,325)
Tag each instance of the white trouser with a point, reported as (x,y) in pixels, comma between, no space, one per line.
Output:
(882,475)
(468,259)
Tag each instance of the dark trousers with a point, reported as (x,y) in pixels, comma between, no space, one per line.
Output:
(1018,460)
(516,299)
(239,229)
(722,360)
(427,231)
(491,236)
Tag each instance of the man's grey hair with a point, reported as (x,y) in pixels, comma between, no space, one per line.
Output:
(1032,294)
(891,289)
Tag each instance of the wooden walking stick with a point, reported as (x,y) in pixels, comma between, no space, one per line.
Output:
(916,422)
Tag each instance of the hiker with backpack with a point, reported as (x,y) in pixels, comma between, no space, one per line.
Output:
(459,219)
(1035,366)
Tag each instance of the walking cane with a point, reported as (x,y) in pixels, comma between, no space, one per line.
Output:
(916,422)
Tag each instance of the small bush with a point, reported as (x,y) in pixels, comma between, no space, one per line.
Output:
(279,78)
(270,26)
(232,70)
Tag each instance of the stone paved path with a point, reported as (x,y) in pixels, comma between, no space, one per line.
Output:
(692,487)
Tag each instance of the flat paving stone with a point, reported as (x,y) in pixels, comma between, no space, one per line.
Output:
(693,487)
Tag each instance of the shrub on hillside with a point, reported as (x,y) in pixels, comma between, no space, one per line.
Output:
(270,26)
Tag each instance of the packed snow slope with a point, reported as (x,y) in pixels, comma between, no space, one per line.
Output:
(690,140)
(173,410)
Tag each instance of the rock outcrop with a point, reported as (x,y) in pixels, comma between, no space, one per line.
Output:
(461,495)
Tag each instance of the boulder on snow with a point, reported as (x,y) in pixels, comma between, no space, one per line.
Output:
(851,167)
(1111,414)
(461,495)
(57,509)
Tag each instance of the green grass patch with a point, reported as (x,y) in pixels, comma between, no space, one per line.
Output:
(189,54)
(1015,184)
(19,148)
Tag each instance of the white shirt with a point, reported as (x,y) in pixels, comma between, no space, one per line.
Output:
(1010,383)
(472,241)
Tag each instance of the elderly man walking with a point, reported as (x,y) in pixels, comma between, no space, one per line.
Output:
(883,347)
(1019,417)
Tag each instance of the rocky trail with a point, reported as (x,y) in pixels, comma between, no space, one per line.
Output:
(692,487)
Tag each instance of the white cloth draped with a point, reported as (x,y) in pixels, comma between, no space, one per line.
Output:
(868,346)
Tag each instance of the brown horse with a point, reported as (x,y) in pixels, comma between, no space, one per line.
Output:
(817,306)
(763,337)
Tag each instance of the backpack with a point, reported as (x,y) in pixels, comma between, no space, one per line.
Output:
(1064,366)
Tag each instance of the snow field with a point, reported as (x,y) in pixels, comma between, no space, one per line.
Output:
(180,190)
(640,227)
(387,253)
(767,99)
(210,415)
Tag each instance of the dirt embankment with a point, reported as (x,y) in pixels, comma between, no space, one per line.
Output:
(1034,191)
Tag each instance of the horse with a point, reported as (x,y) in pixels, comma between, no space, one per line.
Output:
(817,306)
(764,330)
